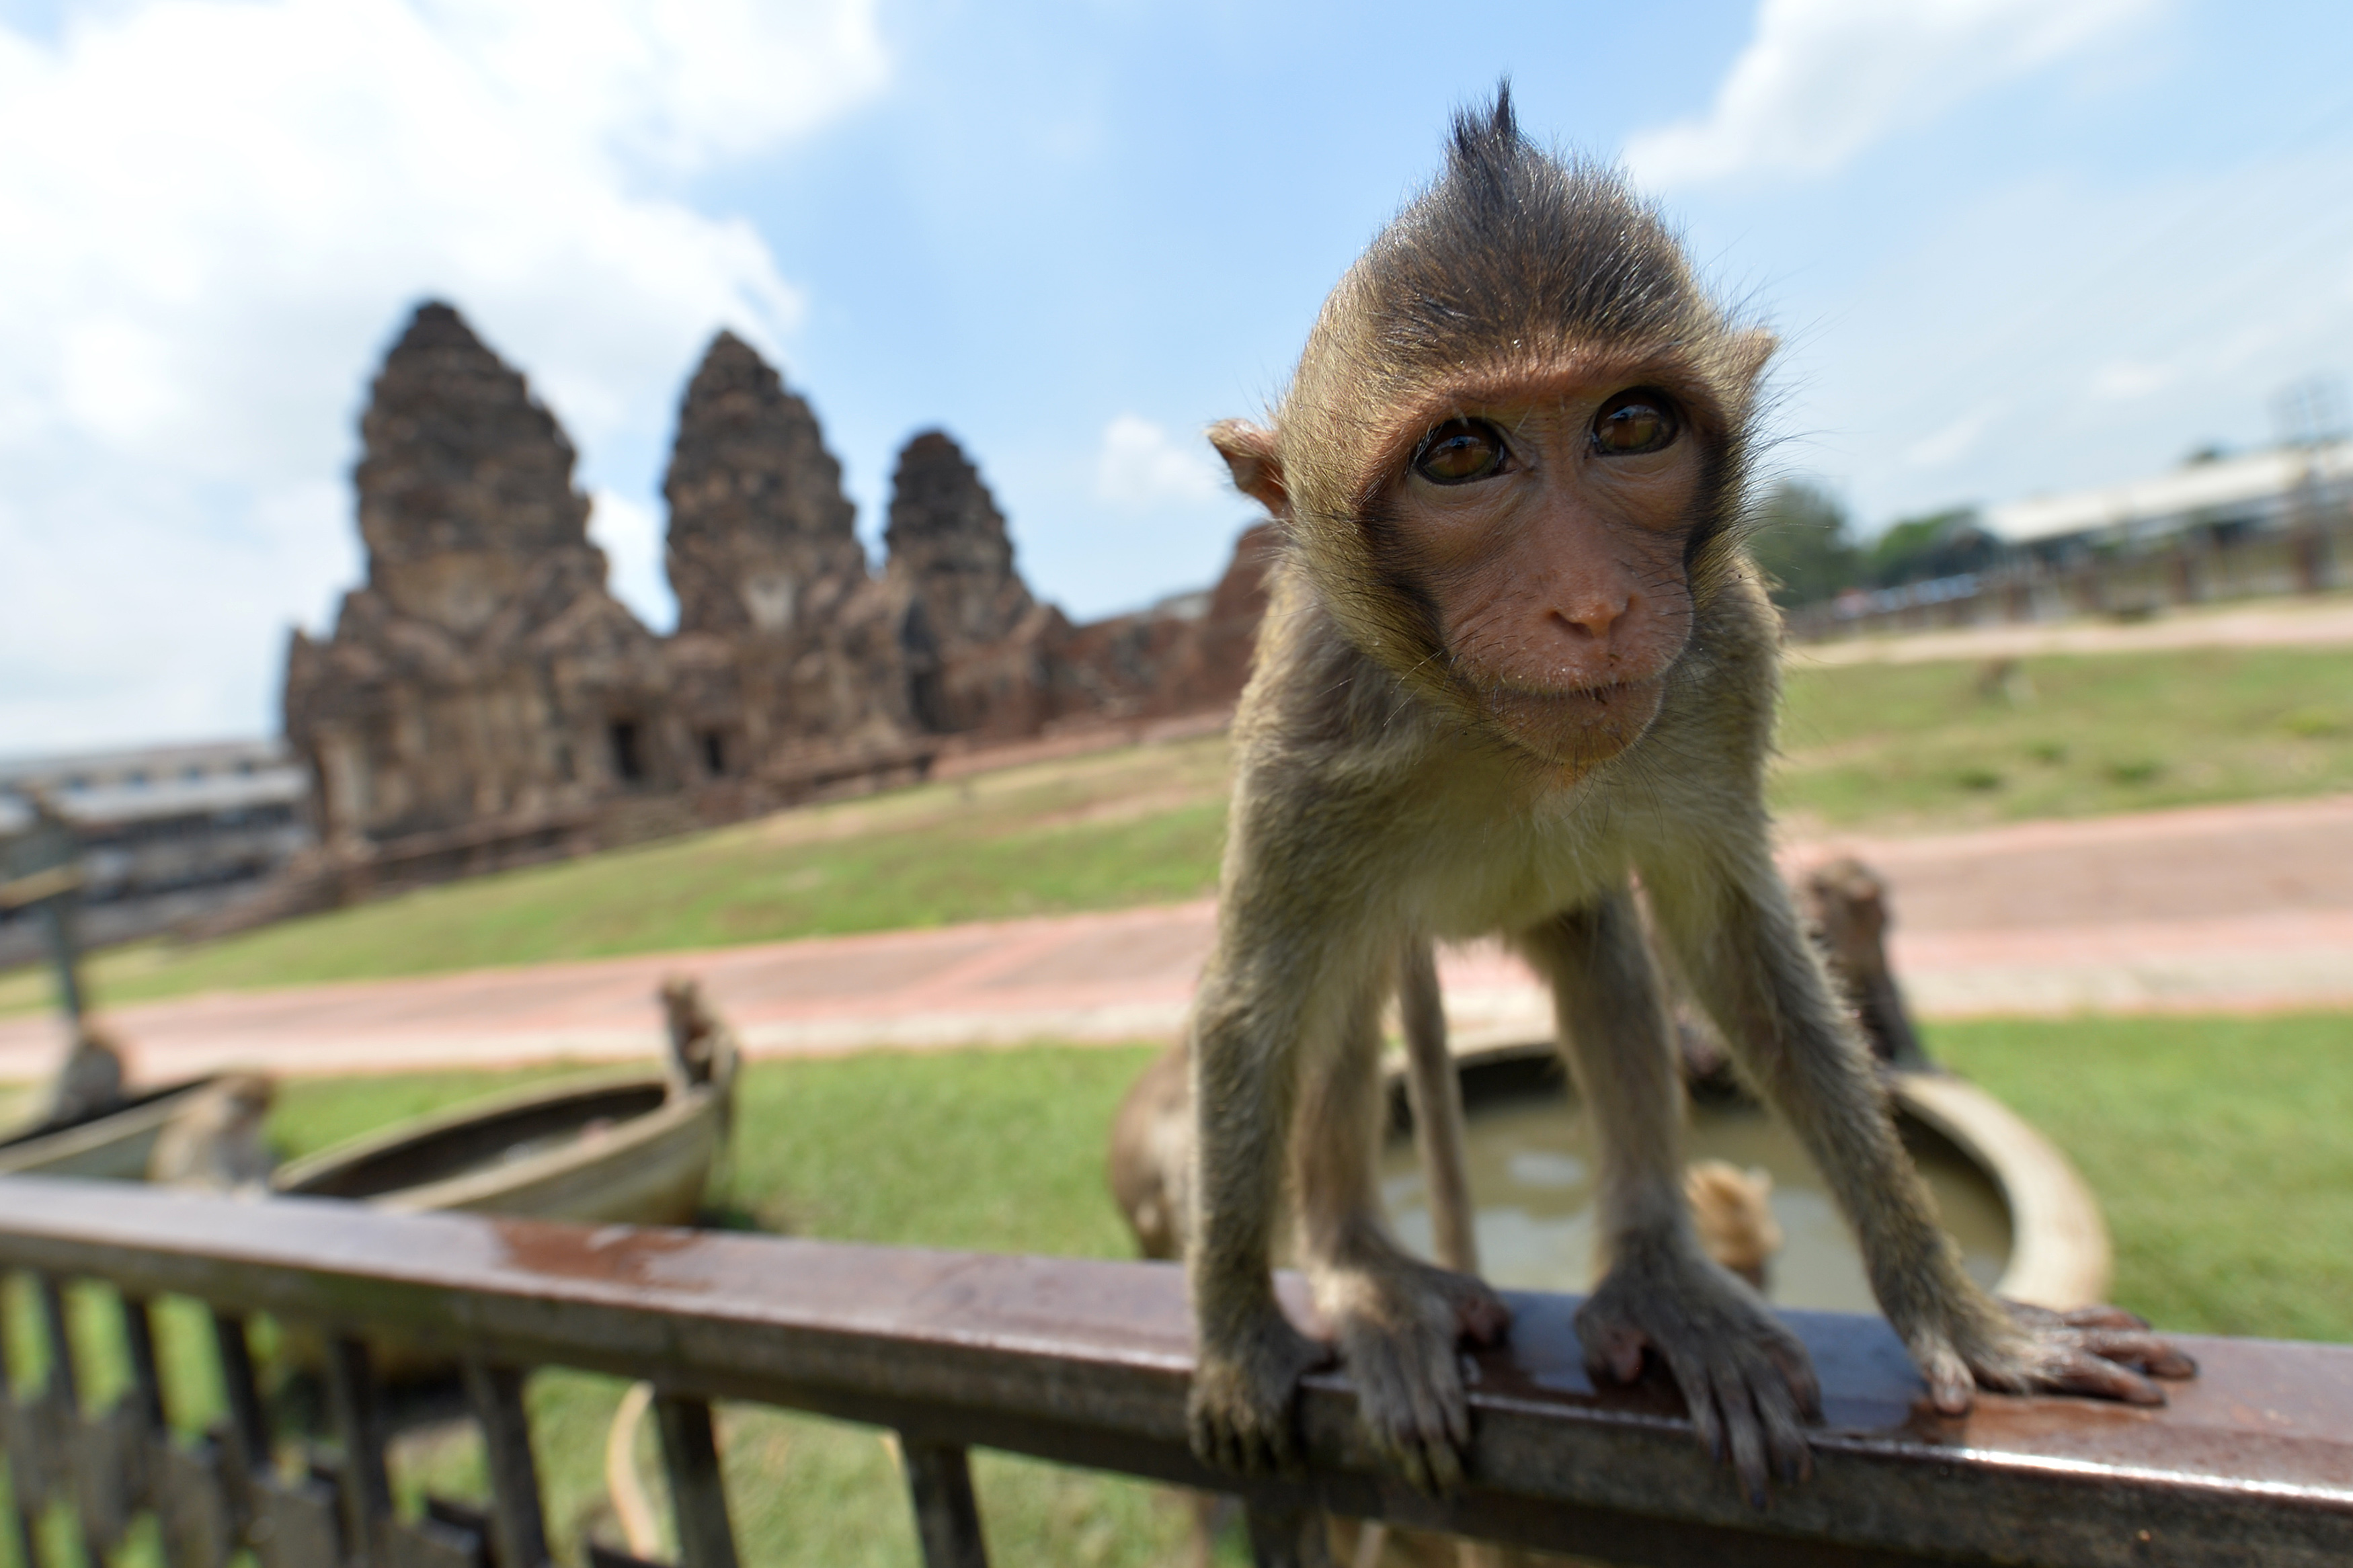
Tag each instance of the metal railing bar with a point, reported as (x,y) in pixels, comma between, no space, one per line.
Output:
(698,1492)
(363,1479)
(518,1518)
(947,1518)
(1086,1364)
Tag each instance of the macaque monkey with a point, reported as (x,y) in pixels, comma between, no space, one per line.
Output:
(702,1046)
(1846,903)
(1733,1210)
(1516,657)
(214,1141)
(1150,1162)
(88,1082)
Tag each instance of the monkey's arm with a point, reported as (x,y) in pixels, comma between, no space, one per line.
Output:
(1252,1017)
(1434,1088)
(1746,1380)
(1732,923)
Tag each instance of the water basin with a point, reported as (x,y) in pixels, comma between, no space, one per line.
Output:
(1532,1176)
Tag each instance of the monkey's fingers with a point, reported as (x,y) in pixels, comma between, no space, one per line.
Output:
(1784,1406)
(1613,1354)
(1482,1318)
(2152,1353)
(2076,1370)
(1745,1436)
(1797,1369)
(1410,1398)
(1952,1385)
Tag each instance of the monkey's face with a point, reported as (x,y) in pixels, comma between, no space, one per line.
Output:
(1550,533)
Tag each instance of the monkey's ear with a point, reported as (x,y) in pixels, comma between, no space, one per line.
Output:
(1256,464)
(1748,352)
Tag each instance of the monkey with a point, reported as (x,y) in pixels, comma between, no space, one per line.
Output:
(1846,904)
(1733,1209)
(214,1141)
(702,1046)
(1515,658)
(90,1081)
(1150,1160)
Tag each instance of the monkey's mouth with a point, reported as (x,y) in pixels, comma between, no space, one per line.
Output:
(1581,724)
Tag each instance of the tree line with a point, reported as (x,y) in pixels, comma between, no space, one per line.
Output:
(1805,544)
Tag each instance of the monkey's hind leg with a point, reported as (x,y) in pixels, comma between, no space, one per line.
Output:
(1398,1319)
(1750,1384)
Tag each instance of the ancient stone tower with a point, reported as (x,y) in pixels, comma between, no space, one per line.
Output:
(483,679)
(974,638)
(783,636)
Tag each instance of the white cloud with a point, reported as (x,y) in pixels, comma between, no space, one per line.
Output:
(1141,467)
(1823,80)
(1950,442)
(2125,380)
(218,213)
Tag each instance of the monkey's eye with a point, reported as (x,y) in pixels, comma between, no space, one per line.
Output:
(1631,423)
(1460,451)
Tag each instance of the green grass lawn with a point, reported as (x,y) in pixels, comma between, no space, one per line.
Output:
(1921,745)
(1895,747)
(2216,1147)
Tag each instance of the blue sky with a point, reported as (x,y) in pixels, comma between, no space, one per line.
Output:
(2011,246)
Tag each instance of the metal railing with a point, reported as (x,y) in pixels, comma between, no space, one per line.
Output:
(1080,1363)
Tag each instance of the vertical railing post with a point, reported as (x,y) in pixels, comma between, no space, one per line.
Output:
(518,1522)
(146,1375)
(366,1485)
(698,1492)
(1287,1536)
(64,1400)
(23,1465)
(947,1519)
(244,1435)
(49,1300)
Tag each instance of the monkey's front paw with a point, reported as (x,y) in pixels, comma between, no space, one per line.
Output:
(1240,1409)
(2103,1351)
(1748,1382)
(1399,1328)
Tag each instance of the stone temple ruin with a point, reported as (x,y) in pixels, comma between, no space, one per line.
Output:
(484,698)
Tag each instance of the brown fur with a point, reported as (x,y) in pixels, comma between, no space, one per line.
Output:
(215,1142)
(1608,714)
(90,1080)
(703,1045)
(1846,903)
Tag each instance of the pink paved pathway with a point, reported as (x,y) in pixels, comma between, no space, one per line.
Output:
(2221,909)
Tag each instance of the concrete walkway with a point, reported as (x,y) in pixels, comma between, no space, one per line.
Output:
(2225,909)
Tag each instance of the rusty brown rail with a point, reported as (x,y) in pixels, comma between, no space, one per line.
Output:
(1085,1363)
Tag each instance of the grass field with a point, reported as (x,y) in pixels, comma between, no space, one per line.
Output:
(1894,747)
(2210,1141)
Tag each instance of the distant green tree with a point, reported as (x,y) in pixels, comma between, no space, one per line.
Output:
(1941,544)
(1802,543)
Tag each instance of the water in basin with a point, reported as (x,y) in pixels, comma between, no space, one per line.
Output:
(1532,1176)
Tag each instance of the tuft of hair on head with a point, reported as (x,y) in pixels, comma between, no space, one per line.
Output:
(1481,138)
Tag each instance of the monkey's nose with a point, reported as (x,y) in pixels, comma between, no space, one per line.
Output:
(1589,615)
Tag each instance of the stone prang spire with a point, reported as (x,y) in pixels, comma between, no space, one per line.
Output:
(949,545)
(465,478)
(760,531)
(483,680)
